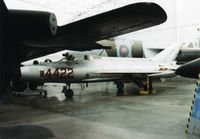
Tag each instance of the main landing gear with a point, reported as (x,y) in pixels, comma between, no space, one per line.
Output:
(146,88)
(120,88)
(67,91)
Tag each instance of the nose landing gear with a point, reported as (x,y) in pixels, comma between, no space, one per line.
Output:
(67,91)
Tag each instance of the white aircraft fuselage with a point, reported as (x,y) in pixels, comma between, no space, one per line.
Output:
(101,69)
(92,69)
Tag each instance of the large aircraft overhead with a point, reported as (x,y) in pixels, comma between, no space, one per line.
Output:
(71,10)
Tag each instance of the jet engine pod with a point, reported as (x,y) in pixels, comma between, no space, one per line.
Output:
(33,23)
(137,49)
(134,49)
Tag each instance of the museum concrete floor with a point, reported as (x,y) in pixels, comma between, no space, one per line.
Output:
(97,113)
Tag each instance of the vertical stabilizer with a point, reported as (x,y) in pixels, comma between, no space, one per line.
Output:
(169,54)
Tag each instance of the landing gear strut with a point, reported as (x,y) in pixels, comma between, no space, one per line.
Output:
(120,88)
(148,88)
(68,92)
(149,84)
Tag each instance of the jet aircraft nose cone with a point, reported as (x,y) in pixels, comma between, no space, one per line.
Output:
(30,72)
(190,69)
(25,72)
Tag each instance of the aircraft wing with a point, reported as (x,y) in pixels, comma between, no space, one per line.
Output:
(127,71)
(163,74)
(117,22)
(99,80)
(83,34)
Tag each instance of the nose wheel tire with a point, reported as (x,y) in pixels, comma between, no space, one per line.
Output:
(68,92)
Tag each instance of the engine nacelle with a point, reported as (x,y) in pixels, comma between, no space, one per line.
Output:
(137,49)
(134,49)
(33,23)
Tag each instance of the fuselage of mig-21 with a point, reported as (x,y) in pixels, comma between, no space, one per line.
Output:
(99,69)
(92,69)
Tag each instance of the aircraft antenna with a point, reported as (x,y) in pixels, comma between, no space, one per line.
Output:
(101,52)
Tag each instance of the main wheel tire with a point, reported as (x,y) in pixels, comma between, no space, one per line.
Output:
(120,89)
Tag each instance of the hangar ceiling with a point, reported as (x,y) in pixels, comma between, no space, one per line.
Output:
(68,11)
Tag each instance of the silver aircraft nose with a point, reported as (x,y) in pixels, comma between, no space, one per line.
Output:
(29,72)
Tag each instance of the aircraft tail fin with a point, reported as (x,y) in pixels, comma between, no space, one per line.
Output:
(169,54)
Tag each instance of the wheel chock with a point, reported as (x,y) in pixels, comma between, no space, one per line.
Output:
(147,92)
(142,92)
(153,92)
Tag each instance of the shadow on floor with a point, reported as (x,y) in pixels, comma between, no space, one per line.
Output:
(25,132)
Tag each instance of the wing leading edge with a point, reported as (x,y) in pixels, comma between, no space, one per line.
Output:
(117,22)
(83,34)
